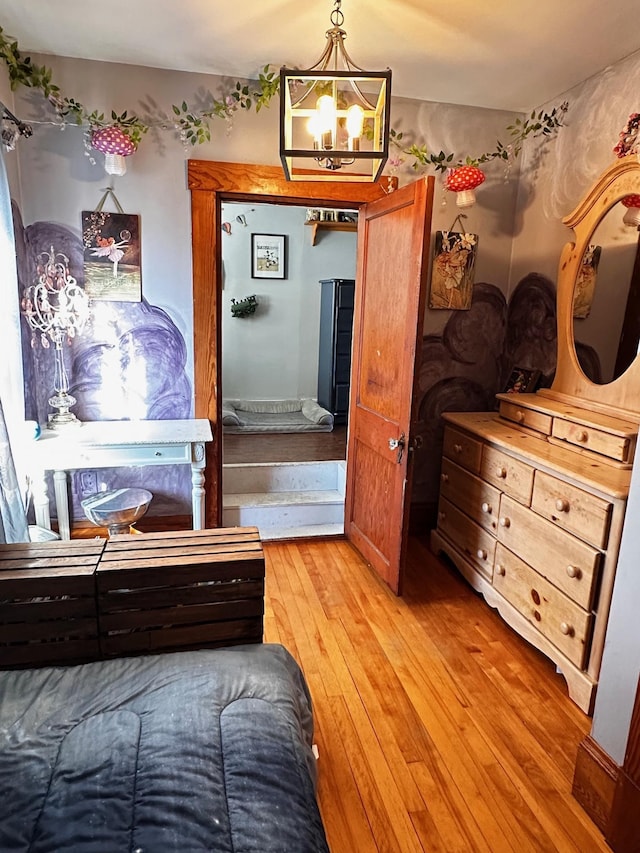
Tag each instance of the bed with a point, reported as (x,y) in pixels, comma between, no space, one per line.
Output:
(185,749)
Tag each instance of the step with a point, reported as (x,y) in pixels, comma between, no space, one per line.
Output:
(285,512)
(269,477)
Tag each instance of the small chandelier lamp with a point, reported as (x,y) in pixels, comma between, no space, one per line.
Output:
(632,216)
(462,181)
(56,308)
(334,116)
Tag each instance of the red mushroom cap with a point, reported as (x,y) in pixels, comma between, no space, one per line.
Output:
(631,200)
(112,140)
(464,178)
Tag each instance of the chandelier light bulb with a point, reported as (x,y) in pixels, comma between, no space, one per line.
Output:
(314,128)
(355,121)
(326,111)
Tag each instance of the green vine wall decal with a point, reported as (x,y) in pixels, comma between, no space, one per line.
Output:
(193,126)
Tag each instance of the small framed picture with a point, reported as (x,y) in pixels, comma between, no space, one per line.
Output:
(522,381)
(268,256)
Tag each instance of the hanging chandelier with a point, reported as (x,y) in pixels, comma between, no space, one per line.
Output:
(334,116)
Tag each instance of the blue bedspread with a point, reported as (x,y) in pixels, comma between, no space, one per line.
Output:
(192,751)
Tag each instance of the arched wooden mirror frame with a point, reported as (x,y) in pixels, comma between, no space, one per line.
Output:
(212,183)
(620,397)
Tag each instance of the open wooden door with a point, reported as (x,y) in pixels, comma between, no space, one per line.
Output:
(393,241)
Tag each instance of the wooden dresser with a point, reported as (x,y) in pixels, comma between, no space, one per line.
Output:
(531,510)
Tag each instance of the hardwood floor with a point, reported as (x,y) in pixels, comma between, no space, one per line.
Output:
(438,728)
(286,447)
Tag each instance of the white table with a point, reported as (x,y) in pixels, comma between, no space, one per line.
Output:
(111,444)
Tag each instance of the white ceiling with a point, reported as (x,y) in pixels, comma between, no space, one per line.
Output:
(505,54)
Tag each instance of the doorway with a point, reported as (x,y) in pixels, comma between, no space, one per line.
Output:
(286,478)
(212,184)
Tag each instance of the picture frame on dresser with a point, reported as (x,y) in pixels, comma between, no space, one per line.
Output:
(522,381)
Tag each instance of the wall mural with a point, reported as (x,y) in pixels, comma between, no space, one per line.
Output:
(128,363)
(464,368)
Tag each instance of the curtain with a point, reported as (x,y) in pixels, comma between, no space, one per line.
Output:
(13,519)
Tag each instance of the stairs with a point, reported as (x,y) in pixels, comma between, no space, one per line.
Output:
(285,500)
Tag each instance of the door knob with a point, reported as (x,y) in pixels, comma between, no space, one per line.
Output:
(397,444)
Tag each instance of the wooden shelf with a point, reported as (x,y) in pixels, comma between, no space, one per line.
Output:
(330,226)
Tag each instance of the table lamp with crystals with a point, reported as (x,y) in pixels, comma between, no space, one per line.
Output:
(56,309)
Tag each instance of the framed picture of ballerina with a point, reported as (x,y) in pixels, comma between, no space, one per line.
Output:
(111,243)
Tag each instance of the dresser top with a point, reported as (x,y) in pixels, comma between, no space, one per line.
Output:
(533,448)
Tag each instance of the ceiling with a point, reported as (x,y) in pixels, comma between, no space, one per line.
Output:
(504,54)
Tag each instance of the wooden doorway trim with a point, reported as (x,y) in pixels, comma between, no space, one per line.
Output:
(211,183)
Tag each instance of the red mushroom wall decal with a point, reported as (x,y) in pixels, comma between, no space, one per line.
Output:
(463,180)
(115,145)
(632,216)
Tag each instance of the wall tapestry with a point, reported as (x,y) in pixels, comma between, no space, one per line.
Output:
(453,269)
(586,282)
(111,256)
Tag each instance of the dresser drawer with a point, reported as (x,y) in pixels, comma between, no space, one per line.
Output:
(463,449)
(558,618)
(614,446)
(511,476)
(472,495)
(567,562)
(469,538)
(531,418)
(572,509)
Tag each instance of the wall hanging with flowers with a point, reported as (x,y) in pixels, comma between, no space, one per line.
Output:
(453,268)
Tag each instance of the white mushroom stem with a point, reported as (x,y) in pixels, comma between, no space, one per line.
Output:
(465,198)
(114,164)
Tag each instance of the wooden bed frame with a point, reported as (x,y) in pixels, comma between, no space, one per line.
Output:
(81,600)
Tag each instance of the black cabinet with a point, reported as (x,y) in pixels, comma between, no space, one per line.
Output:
(334,356)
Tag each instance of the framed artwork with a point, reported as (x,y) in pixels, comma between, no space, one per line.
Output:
(268,256)
(586,282)
(522,381)
(111,244)
(452,271)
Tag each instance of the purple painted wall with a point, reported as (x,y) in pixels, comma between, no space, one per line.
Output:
(128,363)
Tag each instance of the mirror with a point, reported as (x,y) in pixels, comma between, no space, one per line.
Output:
(601,298)
(597,221)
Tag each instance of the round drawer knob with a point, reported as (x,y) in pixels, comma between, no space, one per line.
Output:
(573,571)
(444,478)
(158,453)
(562,505)
(582,436)
(486,507)
(501,472)
(505,521)
(566,629)
(457,448)
(519,416)
(501,570)
(482,554)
